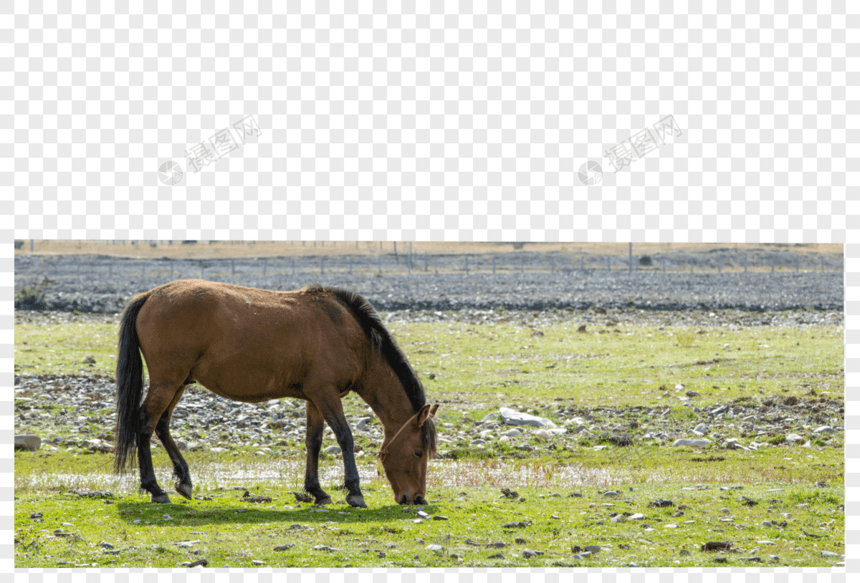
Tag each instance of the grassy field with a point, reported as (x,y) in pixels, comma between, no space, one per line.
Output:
(778,500)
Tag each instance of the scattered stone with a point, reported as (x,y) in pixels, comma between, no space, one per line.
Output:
(510,493)
(333,450)
(497,556)
(829,554)
(716,546)
(302,497)
(520,541)
(637,516)
(200,563)
(692,442)
(528,553)
(520,524)
(327,549)
(439,517)
(793,438)
(434,548)
(825,429)
(28,442)
(751,559)
(511,417)
(660,503)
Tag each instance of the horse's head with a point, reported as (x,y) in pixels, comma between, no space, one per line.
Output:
(405,456)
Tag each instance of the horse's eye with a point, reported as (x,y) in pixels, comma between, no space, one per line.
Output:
(418,452)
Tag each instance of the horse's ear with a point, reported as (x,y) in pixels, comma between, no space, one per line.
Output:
(426,412)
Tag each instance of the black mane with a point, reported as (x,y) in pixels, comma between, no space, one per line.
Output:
(381,339)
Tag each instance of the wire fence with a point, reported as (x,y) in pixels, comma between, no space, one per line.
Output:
(235,270)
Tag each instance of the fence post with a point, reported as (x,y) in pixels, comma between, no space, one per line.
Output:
(664,264)
(233,268)
(171,270)
(322,269)
(426,264)
(745,262)
(380,264)
(552,264)
(608,264)
(144,270)
(202,271)
(110,271)
(630,259)
(494,264)
(265,267)
(31,244)
(522,264)
(719,267)
(772,265)
(350,262)
(691,267)
(822,263)
(467,264)
(293,265)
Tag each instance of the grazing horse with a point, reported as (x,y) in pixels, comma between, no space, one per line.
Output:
(253,345)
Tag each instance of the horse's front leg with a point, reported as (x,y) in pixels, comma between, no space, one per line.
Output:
(313,442)
(332,410)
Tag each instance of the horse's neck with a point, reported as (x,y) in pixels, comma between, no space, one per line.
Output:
(384,394)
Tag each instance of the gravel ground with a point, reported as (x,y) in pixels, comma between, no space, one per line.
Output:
(96,291)
(200,418)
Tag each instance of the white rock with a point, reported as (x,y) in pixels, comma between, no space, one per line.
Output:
(514,433)
(793,437)
(511,417)
(701,428)
(333,449)
(825,429)
(543,434)
(692,442)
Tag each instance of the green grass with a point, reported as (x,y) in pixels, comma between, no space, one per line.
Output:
(606,366)
(233,532)
(473,370)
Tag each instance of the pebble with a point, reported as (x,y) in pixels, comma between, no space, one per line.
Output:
(434,547)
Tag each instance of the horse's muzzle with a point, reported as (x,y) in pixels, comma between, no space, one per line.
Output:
(407,499)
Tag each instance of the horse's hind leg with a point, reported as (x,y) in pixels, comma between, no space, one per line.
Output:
(158,399)
(180,467)
(313,442)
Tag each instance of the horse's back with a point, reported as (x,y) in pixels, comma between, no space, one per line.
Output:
(247,343)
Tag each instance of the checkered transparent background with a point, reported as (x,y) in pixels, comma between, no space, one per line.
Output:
(443,121)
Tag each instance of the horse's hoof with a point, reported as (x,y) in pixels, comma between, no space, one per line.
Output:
(184,490)
(324,501)
(356,501)
(162,499)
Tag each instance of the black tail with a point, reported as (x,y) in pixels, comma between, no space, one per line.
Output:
(129,385)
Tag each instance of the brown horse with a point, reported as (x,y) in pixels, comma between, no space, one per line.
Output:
(253,345)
